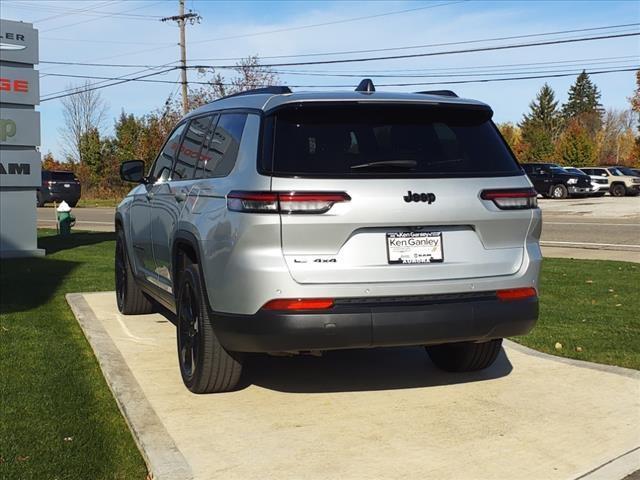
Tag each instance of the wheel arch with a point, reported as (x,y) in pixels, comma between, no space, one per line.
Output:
(186,247)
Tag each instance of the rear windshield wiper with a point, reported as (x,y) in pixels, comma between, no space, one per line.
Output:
(408,164)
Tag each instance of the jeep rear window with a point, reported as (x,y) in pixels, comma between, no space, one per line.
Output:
(63,176)
(359,140)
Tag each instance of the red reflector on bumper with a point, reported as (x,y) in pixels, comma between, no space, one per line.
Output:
(516,294)
(299,304)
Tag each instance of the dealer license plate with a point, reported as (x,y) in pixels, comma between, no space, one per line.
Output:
(414,247)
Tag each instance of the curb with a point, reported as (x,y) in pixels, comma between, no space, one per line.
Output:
(164,460)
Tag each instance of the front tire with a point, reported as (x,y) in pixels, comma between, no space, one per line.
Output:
(130,299)
(618,190)
(559,191)
(464,356)
(205,365)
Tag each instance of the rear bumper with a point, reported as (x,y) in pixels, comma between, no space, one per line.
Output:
(359,324)
(580,190)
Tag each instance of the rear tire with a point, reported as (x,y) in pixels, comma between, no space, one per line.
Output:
(559,191)
(39,201)
(130,299)
(464,356)
(618,190)
(73,204)
(205,365)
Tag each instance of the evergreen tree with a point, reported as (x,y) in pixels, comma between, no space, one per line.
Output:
(583,104)
(541,127)
(576,146)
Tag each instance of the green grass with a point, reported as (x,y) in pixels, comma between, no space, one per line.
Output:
(591,305)
(98,202)
(51,387)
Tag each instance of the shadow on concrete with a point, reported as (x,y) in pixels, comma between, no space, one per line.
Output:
(56,243)
(368,369)
(360,370)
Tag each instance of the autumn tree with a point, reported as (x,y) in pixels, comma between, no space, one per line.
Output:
(513,136)
(541,127)
(84,110)
(635,106)
(616,139)
(583,104)
(249,74)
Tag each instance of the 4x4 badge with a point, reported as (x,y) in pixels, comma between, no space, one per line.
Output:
(419,197)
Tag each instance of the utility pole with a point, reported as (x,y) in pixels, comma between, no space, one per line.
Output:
(182,19)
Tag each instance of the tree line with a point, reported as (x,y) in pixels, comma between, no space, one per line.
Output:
(579,133)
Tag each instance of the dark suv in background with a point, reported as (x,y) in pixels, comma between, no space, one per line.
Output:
(551,180)
(58,186)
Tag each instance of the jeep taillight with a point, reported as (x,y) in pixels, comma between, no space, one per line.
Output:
(284,202)
(512,198)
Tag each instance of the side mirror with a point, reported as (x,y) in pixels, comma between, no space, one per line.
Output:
(132,171)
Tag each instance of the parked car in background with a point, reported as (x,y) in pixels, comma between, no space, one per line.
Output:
(599,183)
(58,186)
(551,180)
(274,221)
(620,183)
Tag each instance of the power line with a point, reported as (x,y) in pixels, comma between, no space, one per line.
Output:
(470,67)
(429,54)
(128,75)
(443,74)
(374,50)
(324,24)
(83,90)
(407,84)
(264,33)
(100,18)
(408,47)
(570,71)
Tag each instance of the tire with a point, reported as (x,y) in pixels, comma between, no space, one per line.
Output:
(618,190)
(559,191)
(205,366)
(39,201)
(464,356)
(129,297)
(73,204)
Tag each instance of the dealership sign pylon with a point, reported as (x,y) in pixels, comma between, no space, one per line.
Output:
(20,174)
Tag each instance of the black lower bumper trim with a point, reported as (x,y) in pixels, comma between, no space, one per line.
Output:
(357,326)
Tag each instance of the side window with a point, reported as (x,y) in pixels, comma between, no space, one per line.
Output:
(190,148)
(205,154)
(162,168)
(222,151)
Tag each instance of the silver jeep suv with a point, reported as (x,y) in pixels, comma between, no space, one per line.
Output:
(274,221)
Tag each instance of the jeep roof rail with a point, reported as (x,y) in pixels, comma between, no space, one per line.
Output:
(366,85)
(443,93)
(274,90)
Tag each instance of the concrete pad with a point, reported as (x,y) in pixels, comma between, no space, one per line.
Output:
(590,253)
(385,413)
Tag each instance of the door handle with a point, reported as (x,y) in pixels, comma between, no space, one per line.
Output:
(149,195)
(181,196)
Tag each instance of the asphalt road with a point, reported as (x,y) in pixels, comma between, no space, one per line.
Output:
(603,223)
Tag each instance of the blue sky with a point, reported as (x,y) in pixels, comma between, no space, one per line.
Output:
(143,39)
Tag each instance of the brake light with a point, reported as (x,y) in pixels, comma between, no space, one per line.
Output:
(516,294)
(284,202)
(512,198)
(299,304)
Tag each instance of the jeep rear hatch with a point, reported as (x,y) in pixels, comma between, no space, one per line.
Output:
(394,192)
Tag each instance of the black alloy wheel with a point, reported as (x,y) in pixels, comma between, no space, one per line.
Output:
(189,331)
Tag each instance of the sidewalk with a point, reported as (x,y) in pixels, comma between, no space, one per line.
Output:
(591,254)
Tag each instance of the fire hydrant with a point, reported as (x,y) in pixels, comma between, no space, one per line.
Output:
(65,219)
